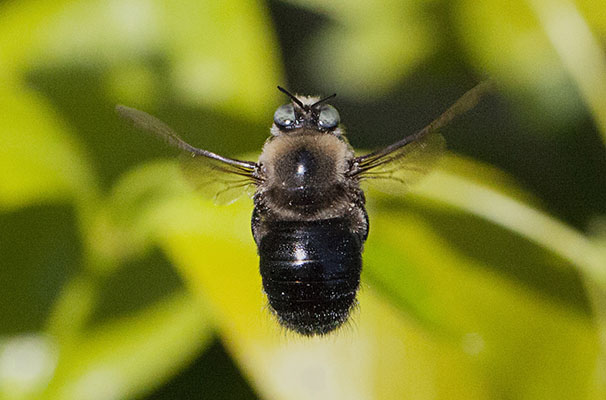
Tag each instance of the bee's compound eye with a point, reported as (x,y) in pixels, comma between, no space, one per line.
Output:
(329,117)
(284,116)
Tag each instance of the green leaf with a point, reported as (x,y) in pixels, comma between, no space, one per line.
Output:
(370,47)
(127,357)
(497,207)
(38,159)
(535,49)
(584,58)
(229,71)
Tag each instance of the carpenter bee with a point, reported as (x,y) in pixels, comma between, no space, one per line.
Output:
(309,220)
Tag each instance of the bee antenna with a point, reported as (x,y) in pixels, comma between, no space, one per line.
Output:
(323,100)
(292,96)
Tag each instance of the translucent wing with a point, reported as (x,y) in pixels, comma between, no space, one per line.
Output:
(222,177)
(401,169)
(211,178)
(401,164)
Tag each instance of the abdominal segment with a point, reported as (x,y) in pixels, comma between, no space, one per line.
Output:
(311,273)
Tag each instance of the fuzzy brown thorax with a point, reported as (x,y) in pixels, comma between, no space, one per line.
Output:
(304,173)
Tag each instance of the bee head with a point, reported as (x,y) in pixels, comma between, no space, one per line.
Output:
(306,112)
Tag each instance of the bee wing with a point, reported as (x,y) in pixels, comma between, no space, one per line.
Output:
(408,160)
(213,178)
(397,171)
(223,177)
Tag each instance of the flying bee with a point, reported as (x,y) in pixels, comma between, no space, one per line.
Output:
(309,220)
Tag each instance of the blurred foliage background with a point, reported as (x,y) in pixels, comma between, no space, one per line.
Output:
(487,281)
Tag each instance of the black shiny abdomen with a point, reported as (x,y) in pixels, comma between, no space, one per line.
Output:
(311,273)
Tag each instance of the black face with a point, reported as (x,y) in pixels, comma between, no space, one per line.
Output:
(318,116)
